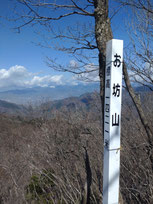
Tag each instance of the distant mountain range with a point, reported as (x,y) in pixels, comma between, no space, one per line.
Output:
(71,98)
(32,95)
(83,103)
(40,94)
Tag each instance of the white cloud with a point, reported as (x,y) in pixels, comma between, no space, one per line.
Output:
(73,64)
(15,71)
(45,80)
(19,77)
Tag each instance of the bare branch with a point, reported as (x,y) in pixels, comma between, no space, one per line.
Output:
(145,5)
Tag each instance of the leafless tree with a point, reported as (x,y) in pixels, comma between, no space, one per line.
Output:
(141,59)
(140,55)
(87,37)
(138,4)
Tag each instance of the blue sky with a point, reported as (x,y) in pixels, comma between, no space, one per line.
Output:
(22,63)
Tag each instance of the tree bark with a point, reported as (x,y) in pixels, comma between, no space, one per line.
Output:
(103,33)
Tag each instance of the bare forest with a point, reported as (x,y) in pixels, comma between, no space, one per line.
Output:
(51,157)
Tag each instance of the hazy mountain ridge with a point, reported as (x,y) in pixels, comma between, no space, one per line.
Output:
(32,95)
(39,94)
(84,102)
(12,108)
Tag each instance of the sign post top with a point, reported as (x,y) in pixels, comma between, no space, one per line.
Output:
(113,47)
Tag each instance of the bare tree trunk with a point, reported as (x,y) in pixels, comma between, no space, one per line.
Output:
(103,33)
(87,187)
(137,103)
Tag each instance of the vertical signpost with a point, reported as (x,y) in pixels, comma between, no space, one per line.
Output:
(112,121)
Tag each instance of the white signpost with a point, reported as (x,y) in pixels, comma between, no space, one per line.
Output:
(112,121)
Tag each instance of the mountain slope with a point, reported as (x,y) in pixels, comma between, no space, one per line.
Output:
(11,108)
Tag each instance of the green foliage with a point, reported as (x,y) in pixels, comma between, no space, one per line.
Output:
(45,188)
(40,189)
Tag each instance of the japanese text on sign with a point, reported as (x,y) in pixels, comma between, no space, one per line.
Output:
(113,89)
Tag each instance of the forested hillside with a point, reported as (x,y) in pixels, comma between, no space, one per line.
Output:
(56,159)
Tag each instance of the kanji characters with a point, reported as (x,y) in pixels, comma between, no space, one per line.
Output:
(107,107)
(116,90)
(108,71)
(108,83)
(115,120)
